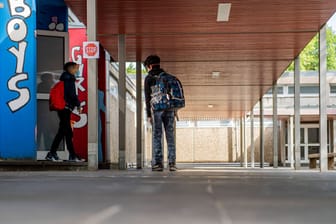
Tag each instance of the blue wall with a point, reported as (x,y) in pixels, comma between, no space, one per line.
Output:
(18,80)
(18,109)
(52,15)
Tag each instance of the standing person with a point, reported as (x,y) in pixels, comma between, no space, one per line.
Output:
(160,111)
(71,102)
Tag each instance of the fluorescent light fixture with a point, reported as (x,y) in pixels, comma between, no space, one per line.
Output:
(223,13)
(215,74)
(210,106)
(1,5)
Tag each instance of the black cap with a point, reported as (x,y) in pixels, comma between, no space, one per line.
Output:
(152,60)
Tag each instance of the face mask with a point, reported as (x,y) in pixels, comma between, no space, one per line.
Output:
(77,74)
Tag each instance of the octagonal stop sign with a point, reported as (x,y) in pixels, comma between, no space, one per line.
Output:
(91,49)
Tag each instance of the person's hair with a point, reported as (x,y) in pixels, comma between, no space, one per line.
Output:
(68,65)
(47,77)
(152,60)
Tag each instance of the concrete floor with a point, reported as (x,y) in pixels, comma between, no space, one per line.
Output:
(188,197)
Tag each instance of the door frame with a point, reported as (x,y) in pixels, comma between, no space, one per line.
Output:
(305,144)
(64,154)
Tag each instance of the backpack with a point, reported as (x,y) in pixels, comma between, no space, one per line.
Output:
(167,93)
(56,97)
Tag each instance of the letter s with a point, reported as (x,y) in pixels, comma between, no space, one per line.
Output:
(24,94)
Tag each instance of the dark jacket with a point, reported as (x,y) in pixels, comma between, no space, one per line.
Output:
(70,95)
(149,82)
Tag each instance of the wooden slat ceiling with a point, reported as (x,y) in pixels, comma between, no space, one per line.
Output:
(250,51)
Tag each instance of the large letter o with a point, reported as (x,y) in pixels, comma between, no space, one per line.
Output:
(17,30)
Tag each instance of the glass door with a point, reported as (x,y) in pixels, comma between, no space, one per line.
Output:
(51,54)
(309,141)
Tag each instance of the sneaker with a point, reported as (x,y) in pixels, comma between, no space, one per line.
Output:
(76,159)
(157,167)
(172,167)
(52,157)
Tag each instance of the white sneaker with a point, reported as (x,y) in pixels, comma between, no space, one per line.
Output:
(76,159)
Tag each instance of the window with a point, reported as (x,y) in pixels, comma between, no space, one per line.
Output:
(303,152)
(309,142)
(313,135)
(332,88)
(214,124)
(307,89)
(185,124)
(113,87)
(130,102)
(302,136)
(280,91)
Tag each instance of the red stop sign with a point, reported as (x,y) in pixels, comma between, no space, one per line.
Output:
(91,49)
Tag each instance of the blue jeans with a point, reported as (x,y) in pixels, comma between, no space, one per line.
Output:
(167,118)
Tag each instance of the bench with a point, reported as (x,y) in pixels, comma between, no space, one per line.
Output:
(316,156)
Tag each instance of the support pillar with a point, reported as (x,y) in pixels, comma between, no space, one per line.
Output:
(333,136)
(108,109)
(139,114)
(323,100)
(297,120)
(290,151)
(243,150)
(330,134)
(237,142)
(245,143)
(262,146)
(282,142)
(241,140)
(252,138)
(275,126)
(92,89)
(122,101)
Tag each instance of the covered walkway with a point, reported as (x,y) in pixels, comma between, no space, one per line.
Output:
(226,68)
(198,197)
(226,55)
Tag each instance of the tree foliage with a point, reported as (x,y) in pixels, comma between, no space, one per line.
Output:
(131,69)
(309,57)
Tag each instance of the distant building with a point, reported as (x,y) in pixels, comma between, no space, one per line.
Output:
(219,141)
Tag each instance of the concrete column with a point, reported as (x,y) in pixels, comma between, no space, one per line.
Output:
(241,141)
(193,143)
(262,147)
(330,135)
(323,101)
(108,110)
(275,126)
(245,143)
(237,139)
(243,150)
(290,142)
(333,136)
(252,138)
(122,101)
(92,89)
(143,137)
(297,120)
(139,114)
(282,141)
